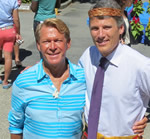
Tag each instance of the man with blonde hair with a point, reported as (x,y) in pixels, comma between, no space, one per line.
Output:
(48,98)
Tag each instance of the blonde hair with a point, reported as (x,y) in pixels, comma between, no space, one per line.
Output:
(55,23)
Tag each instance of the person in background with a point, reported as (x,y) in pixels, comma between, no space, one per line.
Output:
(16,48)
(16,53)
(126,86)
(48,99)
(125,37)
(43,10)
(9,17)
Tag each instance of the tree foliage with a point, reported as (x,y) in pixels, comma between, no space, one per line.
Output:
(26,1)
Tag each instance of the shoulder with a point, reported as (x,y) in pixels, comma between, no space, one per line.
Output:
(75,68)
(135,58)
(9,5)
(15,4)
(77,71)
(92,50)
(27,76)
(90,55)
(134,54)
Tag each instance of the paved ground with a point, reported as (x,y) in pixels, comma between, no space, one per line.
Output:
(75,16)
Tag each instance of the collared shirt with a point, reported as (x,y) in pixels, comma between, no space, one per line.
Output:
(6,8)
(126,88)
(46,9)
(37,114)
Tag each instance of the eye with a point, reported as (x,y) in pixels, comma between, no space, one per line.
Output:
(94,28)
(107,27)
(45,42)
(58,40)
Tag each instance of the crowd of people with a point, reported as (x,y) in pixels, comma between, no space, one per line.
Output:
(109,87)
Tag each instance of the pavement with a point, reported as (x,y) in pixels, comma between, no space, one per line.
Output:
(75,16)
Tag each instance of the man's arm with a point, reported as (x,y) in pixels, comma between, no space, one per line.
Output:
(16,115)
(138,127)
(34,6)
(16,136)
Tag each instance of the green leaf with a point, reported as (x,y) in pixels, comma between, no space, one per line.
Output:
(134,33)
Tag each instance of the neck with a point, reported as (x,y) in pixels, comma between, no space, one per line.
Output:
(55,70)
(58,74)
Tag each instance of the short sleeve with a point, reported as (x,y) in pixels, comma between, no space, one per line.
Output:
(16,5)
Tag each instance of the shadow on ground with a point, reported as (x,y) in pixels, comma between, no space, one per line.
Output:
(23,54)
(16,71)
(84,1)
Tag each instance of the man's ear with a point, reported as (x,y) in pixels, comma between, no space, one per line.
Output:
(38,46)
(121,29)
(68,44)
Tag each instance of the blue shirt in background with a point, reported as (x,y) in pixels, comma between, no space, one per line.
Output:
(46,9)
(6,8)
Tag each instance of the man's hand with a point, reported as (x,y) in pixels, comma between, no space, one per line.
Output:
(19,2)
(138,127)
(18,36)
(16,136)
(84,135)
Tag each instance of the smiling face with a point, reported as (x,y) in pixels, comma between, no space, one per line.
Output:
(105,34)
(53,46)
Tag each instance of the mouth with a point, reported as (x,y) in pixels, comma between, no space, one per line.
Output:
(101,42)
(53,54)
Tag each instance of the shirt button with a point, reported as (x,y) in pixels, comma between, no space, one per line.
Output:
(53,86)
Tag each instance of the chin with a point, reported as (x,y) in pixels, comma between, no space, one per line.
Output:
(54,62)
(51,62)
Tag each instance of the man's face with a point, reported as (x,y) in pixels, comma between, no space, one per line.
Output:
(53,46)
(105,34)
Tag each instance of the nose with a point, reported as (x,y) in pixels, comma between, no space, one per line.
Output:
(101,33)
(53,46)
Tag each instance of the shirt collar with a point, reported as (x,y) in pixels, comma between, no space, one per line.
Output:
(40,71)
(115,57)
(72,71)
